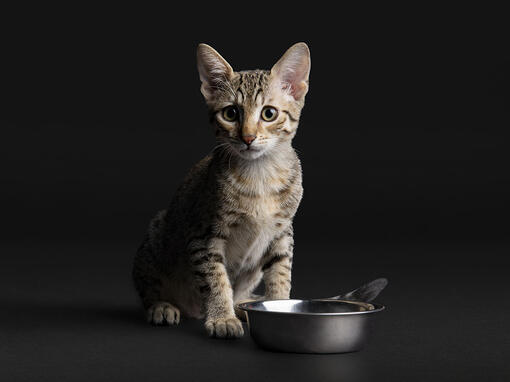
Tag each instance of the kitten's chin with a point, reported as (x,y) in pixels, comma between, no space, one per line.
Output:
(250,154)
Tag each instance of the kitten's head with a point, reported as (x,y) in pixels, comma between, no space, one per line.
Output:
(254,111)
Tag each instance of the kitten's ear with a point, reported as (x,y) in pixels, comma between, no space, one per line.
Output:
(293,69)
(213,69)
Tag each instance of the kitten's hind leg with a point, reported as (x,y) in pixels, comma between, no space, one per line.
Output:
(149,286)
(149,281)
(163,313)
(158,311)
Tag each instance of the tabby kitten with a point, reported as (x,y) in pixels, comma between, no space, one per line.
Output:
(229,224)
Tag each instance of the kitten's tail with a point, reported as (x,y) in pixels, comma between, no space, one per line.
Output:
(365,293)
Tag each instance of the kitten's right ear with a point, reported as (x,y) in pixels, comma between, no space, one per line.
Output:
(213,69)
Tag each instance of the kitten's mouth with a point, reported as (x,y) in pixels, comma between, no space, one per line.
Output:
(250,152)
(250,148)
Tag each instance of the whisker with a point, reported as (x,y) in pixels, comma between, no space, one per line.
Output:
(229,158)
(219,147)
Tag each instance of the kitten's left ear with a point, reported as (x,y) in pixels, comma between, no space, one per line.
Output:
(213,69)
(293,69)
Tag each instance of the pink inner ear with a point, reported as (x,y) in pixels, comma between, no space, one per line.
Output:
(295,86)
(293,77)
(297,89)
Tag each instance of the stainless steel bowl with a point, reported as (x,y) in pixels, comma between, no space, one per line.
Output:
(310,326)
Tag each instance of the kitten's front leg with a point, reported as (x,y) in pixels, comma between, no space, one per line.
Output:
(277,267)
(209,269)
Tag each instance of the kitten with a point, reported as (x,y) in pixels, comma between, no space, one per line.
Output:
(230,223)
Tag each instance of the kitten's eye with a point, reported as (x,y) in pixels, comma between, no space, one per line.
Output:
(269,113)
(230,113)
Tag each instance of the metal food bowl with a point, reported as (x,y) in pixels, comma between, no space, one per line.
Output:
(310,326)
(339,324)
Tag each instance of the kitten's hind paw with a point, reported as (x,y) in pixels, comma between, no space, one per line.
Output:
(163,313)
(229,327)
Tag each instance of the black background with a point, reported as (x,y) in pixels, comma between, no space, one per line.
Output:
(403,142)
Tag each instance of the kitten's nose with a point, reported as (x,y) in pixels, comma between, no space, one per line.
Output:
(248,139)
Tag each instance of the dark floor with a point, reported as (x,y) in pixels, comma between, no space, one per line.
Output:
(69,313)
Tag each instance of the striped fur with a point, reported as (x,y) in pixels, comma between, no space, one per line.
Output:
(229,225)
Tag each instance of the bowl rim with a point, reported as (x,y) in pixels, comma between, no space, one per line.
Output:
(376,307)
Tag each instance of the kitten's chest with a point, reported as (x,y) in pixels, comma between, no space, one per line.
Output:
(260,198)
(252,234)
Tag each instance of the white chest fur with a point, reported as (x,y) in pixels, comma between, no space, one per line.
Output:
(249,240)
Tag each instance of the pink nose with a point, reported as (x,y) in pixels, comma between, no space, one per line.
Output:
(248,139)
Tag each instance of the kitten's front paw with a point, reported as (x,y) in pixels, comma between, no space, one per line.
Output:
(163,313)
(229,327)
(277,296)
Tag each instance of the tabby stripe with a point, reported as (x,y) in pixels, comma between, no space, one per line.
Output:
(209,257)
(220,126)
(242,94)
(195,251)
(200,261)
(200,274)
(288,185)
(221,236)
(231,212)
(290,116)
(217,258)
(283,191)
(287,232)
(275,259)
